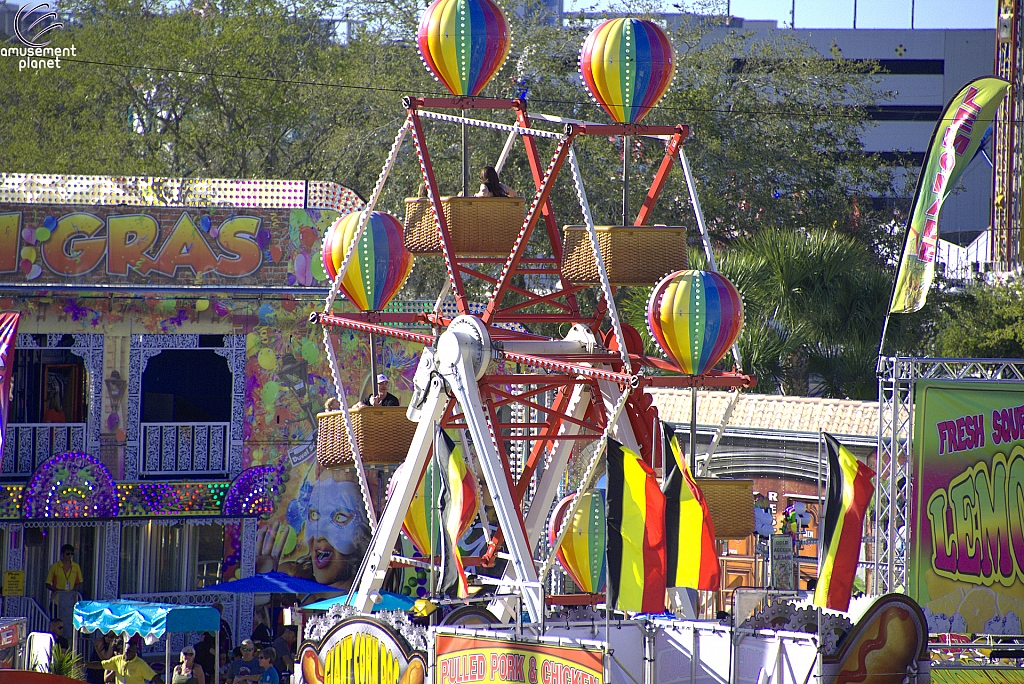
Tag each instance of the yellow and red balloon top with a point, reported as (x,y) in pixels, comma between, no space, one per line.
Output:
(627,65)
(582,552)
(464,43)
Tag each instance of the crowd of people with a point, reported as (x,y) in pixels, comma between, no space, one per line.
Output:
(116,661)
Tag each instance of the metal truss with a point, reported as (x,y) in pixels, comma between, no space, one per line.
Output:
(893,478)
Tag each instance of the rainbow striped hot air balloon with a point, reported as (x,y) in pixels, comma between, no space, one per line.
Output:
(695,316)
(422,519)
(423,516)
(627,65)
(381,264)
(464,43)
(582,552)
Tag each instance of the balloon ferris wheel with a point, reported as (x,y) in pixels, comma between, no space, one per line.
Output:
(481,364)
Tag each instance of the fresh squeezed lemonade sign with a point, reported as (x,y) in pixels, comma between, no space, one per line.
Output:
(461,660)
(967,547)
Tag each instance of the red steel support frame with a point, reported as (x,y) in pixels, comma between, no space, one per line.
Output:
(560,372)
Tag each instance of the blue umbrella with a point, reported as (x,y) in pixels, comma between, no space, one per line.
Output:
(389,601)
(273,583)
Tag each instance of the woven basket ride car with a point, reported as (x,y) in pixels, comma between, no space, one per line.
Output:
(479,226)
(731,505)
(383,435)
(633,255)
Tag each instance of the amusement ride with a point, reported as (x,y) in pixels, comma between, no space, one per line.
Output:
(481,363)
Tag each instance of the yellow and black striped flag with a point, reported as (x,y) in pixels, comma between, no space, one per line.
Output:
(689,531)
(849,493)
(636,533)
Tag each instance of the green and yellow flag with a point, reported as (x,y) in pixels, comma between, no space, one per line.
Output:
(956,138)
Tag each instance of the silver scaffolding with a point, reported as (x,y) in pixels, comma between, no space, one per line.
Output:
(893,467)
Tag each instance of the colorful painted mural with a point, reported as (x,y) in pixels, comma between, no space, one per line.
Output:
(210,271)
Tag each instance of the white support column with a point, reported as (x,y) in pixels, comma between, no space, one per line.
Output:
(371,573)
(456,351)
(110,589)
(15,561)
(243,620)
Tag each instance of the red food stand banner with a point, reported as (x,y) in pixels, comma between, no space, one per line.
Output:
(472,660)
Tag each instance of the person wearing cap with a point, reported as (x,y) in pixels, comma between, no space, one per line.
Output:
(247,668)
(382,397)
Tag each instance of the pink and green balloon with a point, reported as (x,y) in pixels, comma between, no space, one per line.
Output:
(381,263)
(582,552)
(627,65)
(464,43)
(695,316)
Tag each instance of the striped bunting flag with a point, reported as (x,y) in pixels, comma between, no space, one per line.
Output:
(636,533)
(689,531)
(849,492)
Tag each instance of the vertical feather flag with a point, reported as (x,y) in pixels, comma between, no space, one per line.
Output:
(689,531)
(458,508)
(8,337)
(849,493)
(958,135)
(636,533)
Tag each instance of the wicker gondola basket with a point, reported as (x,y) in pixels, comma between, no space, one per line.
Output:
(479,226)
(731,505)
(383,435)
(633,255)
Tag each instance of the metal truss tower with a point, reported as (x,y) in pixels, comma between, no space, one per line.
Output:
(1008,139)
(894,467)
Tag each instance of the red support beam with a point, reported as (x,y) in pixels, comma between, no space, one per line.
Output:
(667,162)
(519,249)
(335,321)
(454,277)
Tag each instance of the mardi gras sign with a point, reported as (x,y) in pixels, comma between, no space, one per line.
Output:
(695,316)
(77,242)
(967,537)
(627,65)
(381,263)
(464,43)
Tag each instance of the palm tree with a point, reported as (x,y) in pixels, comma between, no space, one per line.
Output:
(814,304)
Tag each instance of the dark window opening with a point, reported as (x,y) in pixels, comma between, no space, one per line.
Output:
(49,386)
(186,386)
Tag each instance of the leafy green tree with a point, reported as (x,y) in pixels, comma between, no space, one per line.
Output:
(261,89)
(814,305)
(982,321)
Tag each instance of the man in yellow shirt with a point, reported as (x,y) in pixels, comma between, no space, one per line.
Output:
(127,668)
(65,574)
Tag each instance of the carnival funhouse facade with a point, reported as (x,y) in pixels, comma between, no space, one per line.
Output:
(166,384)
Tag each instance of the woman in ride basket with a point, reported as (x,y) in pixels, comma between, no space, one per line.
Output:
(490,186)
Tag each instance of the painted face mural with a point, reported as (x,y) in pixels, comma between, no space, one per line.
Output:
(337,531)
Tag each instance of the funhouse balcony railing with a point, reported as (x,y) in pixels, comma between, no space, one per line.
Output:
(29,444)
(177,449)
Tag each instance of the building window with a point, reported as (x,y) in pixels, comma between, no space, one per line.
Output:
(49,386)
(209,554)
(186,386)
(160,558)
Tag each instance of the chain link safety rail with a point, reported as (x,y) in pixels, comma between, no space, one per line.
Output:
(332,355)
